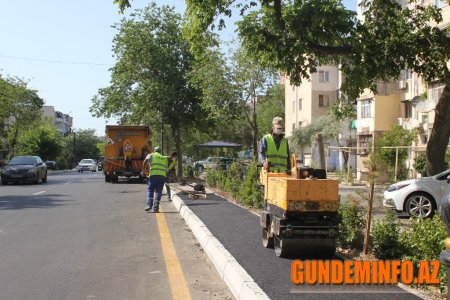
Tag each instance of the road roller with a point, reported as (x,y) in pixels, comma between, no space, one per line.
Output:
(300,214)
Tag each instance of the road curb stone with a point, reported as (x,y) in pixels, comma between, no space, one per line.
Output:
(241,285)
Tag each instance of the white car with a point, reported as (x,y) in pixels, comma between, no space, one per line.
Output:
(418,197)
(87,165)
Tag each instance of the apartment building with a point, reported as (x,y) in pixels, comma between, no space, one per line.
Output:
(408,102)
(305,103)
(62,121)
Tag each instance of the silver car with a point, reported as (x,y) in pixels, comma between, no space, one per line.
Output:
(87,165)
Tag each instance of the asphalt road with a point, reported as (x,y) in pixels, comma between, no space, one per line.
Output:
(77,237)
(239,231)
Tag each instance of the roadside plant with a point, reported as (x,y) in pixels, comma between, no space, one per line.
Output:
(386,237)
(425,241)
(351,224)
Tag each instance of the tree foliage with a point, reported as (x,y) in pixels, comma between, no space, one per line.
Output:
(149,82)
(84,144)
(327,124)
(42,139)
(19,103)
(269,106)
(231,87)
(397,136)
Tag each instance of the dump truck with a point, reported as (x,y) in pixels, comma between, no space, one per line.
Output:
(300,214)
(125,150)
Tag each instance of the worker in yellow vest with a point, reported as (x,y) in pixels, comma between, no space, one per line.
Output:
(274,152)
(171,172)
(157,176)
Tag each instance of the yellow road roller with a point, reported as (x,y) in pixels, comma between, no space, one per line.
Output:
(300,217)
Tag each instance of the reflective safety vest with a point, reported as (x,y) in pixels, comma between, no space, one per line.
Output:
(172,164)
(276,157)
(158,166)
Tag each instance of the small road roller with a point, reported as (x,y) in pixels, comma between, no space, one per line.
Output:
(300,217)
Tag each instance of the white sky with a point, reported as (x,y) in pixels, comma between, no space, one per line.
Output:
(63,48)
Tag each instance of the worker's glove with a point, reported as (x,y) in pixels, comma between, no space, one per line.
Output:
(266,165)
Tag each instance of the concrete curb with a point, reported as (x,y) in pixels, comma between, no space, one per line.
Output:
(233,274)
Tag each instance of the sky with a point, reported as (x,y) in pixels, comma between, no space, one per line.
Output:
(64,50)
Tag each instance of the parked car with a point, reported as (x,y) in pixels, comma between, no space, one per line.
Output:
(24,169)
(87,165)
(418,197)
(207,163)
(51,165)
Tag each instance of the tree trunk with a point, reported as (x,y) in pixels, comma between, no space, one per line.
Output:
(369,219)
(438,141)
(177,138)
(255,138)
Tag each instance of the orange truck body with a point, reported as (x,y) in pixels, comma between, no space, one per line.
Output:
(125,150)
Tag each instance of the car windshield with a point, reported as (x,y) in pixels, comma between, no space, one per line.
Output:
(86,161)
(22,160)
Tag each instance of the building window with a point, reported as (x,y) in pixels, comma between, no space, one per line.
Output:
(408,109)
(293,126)
(299,124)
(364,143)
(366,108)
(324,76)
(324,101)
(300,103)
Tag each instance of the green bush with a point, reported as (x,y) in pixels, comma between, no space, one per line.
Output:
(252,194)
(386,237)
(425,241)
(420,164)
(351,225)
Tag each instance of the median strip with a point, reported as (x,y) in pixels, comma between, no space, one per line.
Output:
(175,274)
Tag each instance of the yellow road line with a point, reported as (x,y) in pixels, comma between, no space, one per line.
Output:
(177,281)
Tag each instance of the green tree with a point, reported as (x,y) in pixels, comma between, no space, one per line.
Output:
(42,139)
(149,82)
(397,136)
(270,106)
(232,87)
(84,144)
(21,104)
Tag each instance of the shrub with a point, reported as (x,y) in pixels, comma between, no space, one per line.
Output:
(351,225)
(425,241)
(386,237)
(420,164)
(251,194)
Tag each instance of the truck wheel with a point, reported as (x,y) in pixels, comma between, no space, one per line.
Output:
(267,240)
(115,179)
(107,179)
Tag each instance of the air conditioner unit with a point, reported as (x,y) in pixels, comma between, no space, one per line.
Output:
(402,84)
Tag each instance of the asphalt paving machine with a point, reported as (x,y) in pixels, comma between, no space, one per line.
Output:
(300,216)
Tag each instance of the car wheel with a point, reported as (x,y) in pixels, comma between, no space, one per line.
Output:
(420,205)
(44,180)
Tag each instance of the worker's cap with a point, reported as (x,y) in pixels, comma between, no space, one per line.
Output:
(157,149)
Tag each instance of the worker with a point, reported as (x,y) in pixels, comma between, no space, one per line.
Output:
(157,172)
(171,174)
(274,152)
